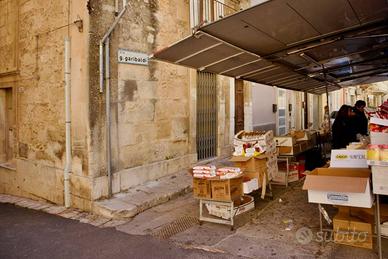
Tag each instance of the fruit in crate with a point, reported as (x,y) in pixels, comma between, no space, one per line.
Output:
(247,145)
(378,128)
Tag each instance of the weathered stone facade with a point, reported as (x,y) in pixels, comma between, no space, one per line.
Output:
(33,69)
(153,108)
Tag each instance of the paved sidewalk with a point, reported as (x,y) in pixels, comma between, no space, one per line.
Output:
(272,230)
(127,204)
(269,231)
(69,213)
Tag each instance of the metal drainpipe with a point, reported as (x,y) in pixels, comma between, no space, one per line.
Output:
(105,41)
(107,111)
(66,173)
(116,7)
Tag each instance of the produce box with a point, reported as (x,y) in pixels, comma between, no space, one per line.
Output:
(201,188)
(256,175)
(380,179)
(352,231)
(250,164)
(302,135)
(226,190)
(378,121)
(378,138)
(293,173)
(339,186)
(224,211)
(262,138)
(280,177)
(285,141)
(365,214)
(290,150)
(250,185)
(345,158)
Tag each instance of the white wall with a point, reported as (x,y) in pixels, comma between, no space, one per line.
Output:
(263,97)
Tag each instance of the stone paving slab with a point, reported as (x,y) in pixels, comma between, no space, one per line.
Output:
(153,219)
(115,209)
(140,198)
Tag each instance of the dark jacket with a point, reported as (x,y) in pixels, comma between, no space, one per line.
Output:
(343,133)
(360,123)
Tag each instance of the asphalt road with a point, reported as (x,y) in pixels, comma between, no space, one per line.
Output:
(27,233)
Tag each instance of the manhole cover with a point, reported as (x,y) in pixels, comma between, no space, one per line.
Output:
(175,227)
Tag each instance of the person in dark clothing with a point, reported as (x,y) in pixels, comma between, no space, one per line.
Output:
(360,120)
(343,130)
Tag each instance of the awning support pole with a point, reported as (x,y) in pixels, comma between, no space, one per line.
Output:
(306,113)
(327,94)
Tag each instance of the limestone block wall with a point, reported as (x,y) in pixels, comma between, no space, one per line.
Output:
(150,104)
(34,55)
(153,107)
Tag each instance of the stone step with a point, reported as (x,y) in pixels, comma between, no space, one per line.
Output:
(140,198)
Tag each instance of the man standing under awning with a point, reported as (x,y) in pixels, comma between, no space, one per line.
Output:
(360,120)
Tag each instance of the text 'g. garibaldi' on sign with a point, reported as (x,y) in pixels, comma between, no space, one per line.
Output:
(131,57)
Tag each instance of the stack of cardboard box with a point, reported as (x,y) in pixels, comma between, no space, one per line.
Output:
(262,165)
(293,172)
(217,189)
(347,187)
(376,156)
(345,183)
(351,229)
(295,142)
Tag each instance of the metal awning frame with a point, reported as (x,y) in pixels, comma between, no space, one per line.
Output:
(296,64)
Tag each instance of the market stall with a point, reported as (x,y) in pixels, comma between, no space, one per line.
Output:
(223,192)
(357,176)
(324,58)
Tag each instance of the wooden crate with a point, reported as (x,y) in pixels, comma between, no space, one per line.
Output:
(227,190)
(201,188)
(352,231)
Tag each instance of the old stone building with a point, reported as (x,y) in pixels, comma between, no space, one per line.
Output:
(156,122)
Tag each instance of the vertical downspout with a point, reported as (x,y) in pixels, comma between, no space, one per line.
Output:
(66,173)
(105,42)
(107,111)
(101,61)
(116,7)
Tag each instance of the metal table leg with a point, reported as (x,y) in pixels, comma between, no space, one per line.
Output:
(287,172)
(320,222)
(232,214)
(378,227)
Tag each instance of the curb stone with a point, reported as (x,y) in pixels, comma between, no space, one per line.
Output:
(69,213)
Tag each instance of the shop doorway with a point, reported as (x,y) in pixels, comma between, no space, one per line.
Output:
(7,121)
(206,115)
(239,106)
